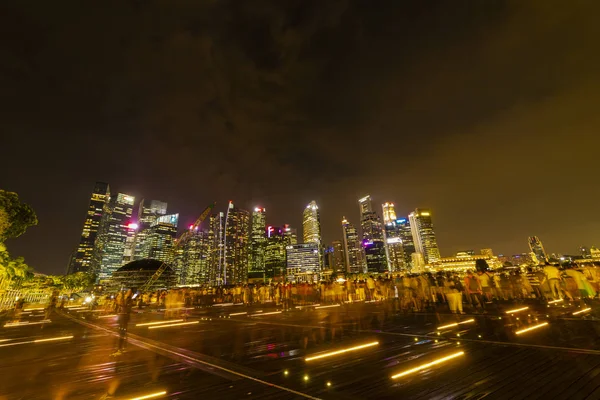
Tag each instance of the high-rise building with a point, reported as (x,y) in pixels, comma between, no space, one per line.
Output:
(424,235)
(112,236)
(132,228)
(258,242)
(311,224)
(389,213)
(237,240)
(148,212)
(408,244)
(275,253)
(338,257)
(216,234)
(395,248)
(83,258)
(537,248)
(195,259)
(290,236)
(161,238)
(373,239)
(303,262)
(487,252)
(353,251)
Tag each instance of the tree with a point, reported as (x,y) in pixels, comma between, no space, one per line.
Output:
(15,217)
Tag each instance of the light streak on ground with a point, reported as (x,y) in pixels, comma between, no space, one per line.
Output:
(16,324)
(107,316)
(310,305)
(330,306)
(239,313)
(430,364)
(170,325)
(582,311)
(555,301)
(160,322)
(456,324)
(267,313)
(342,351)
(532,328)
(34,309)
(150,396)
(516,310)
(91,311)
(75,308)
(37,341)
(223,305)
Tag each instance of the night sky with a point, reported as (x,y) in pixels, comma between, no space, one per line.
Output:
(484,111)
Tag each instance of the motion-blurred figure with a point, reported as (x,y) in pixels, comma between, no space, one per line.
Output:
(124,302)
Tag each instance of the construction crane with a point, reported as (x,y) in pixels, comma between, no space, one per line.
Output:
(180,241)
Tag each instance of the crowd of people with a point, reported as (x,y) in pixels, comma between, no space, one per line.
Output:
(408,292)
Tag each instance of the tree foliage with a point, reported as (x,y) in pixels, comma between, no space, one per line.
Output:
(15,217)
(13,272)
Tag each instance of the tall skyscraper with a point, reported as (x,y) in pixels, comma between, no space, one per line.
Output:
(537,248)
(373,240)
(353,251)
(148,212)
(216,236)
(408,244)
(160,239)
(395,248)
(237,240)
(275,253)
(338,257)
(289,234)
(195,258)
(389,213)
(258,242)
(83,257)
(423,235)
(113,234)
(303,262)
(311,224)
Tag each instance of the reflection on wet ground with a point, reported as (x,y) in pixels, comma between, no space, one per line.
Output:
(351,351)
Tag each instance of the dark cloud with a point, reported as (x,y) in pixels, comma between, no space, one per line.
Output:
(483,111)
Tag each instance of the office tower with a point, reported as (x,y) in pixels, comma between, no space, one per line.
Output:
(237,240)
(83,258)
(113,234)
(395,248)
(373,240)
(389,213)
(353,251)
(424,235)
(148,212)
(258,242)
(408,244)
(337,261)
(276,243)
(537,248)
(132,228)
(216,237)
(195,258)
(303,262)
(289,234)
(161,239)
(311,224)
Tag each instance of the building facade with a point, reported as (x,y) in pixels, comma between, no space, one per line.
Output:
(303,262)
(82,260)
(354,253)
(373,237)
(537,248)
(236,245)
(148,212)
(159,243)
(275,253)
(423,235)
(258,242)
(311,224)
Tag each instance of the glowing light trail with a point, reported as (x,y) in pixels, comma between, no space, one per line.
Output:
(170,325)
(37,341)
(267,313)
(160,322)
(16,324)
(532,328)
(107,316)
(431,364)
(555,301)
(582,311)
(516,310)
(335,353)
(330,306)
(150,396)
(456,324)
(239,313)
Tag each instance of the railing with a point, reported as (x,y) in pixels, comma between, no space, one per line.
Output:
(9,297)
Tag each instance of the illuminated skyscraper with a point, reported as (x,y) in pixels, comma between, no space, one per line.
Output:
(161,238)
(303,262)
(236,244)
(537,248)
(275,253)
(148,212)
(130,242)
(195,259)
(389,213)
(82,259)
(373,239)
(113,234)
(311,224)
(216,242)
(258,243)
(354,253)
(408,244)
(289,234)
(338,258)
(423,235)
(395,248)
